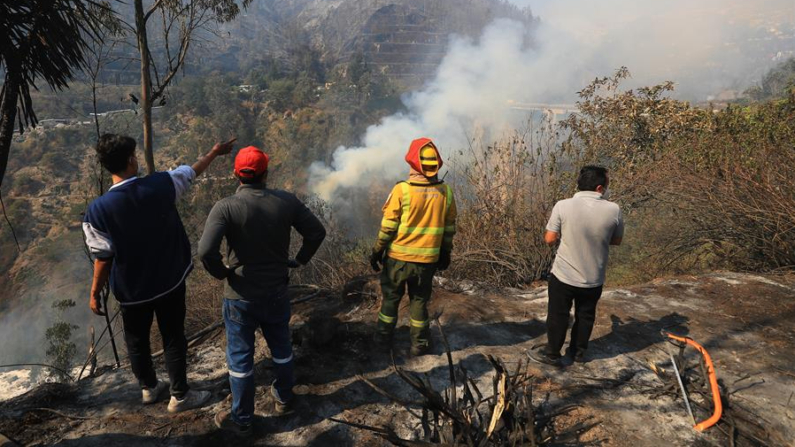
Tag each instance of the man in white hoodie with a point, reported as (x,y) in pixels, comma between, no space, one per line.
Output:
(586,225)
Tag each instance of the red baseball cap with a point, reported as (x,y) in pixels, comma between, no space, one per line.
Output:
(250,162)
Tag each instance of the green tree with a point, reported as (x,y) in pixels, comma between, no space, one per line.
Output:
(41,40)
(61,349)
(357,67)
(181,21)
(281,94)
(776,83)
(305,91)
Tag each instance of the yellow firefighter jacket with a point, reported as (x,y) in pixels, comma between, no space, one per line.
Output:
(419,222)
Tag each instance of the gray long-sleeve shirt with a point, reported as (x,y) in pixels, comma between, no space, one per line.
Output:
(256,223)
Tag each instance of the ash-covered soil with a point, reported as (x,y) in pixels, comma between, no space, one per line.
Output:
(746,322)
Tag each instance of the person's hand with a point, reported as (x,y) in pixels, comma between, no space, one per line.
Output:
(293,264)
(377,260)
(444,260)
(223,148)
(96,305)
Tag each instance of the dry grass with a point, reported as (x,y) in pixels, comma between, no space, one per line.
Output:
(204,300)
(505,192)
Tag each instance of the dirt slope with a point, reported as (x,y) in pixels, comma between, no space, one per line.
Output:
(746,322)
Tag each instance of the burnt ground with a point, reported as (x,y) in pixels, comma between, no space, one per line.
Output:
(746,322)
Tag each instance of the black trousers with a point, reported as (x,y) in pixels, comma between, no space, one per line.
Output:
(561,297)
(170,312)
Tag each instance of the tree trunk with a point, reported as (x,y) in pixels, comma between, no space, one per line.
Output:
(146,85)
(8,115)
(99,170)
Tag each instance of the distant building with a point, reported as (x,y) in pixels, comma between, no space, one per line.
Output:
(729,95)
(56,122)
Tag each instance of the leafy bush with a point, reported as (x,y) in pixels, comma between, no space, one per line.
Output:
(776,83)
(24,184)
(60,348)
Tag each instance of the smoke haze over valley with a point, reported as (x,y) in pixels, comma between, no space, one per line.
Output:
(706,48)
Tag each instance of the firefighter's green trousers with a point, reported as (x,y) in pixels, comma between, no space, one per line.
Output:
(395,278)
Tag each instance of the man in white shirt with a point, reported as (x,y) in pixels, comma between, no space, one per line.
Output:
(585,225)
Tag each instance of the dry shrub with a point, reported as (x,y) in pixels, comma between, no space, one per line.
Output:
(700,189)
(203,300)
(505,192)
(740,202)
(340,258)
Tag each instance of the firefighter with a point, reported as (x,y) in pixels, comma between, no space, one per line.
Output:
(415,241)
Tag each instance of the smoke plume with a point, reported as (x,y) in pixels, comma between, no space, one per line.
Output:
(472,87)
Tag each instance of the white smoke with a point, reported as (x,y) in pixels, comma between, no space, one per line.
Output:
(703,46)
(472,86)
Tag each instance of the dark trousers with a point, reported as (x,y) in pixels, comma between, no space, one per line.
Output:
(170,312)
(561,297)
(396,278)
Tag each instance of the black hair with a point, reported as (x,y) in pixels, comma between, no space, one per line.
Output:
(590,177)
(114,151)
(257,179)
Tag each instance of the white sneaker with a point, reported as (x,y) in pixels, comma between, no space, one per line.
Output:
(193,399)
(152,395)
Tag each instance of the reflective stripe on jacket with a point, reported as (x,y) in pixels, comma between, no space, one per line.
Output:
(419,221)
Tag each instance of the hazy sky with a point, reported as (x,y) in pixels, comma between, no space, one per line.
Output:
(705,46)
(627,8)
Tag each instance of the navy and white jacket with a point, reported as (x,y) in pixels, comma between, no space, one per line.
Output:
(137,224)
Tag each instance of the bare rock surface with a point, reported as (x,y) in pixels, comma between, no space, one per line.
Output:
(746,322)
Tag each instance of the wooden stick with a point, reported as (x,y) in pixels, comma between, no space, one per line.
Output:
(195,337)
(453,399)
(83,418)
(105,294)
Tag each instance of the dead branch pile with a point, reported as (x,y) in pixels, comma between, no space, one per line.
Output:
(507,417)
(738,426)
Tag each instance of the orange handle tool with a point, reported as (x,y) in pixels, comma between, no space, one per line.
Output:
(713,382)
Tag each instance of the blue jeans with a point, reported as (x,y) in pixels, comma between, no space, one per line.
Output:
(242,319)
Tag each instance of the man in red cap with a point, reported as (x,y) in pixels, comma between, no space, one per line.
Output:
(256,222)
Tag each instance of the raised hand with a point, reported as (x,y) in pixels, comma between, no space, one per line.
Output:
(224,148)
